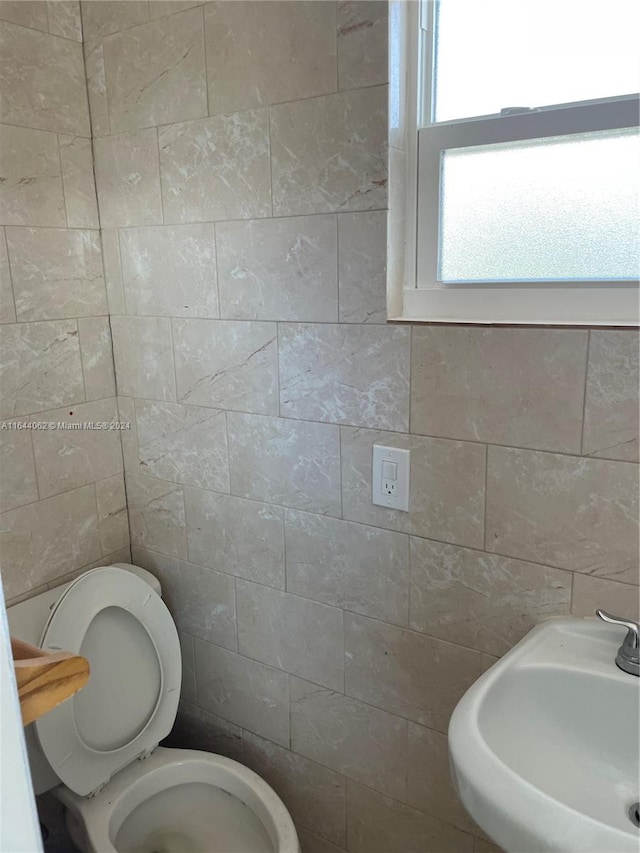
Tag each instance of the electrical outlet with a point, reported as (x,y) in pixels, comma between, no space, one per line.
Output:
(391,477)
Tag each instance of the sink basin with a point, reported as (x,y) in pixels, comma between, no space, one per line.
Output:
(544,746)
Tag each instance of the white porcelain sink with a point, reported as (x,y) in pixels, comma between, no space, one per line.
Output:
(544,746)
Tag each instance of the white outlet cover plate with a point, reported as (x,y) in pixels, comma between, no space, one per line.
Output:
(400,499)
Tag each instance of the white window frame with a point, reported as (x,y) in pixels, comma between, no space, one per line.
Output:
(414,293)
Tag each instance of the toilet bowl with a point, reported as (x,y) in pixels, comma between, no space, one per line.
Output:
(98,752)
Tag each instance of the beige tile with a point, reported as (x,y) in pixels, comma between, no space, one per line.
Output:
(202,602)
(156,72)
(329,154)
(482,846)
(188,687)
(362,43)
(293,463)
(113,518)
(447,486)
(376,824)
(31,189)
(358,568)
(520,387)
(76,158)
(345,374)
(43,81)
(578,514)
(362,241)
(160,8)
(291,633)
(7,305)
(156,516)
(39,367)
(240,537)
(265,53)
(216,168)
(247,693)
(197,729)
(185,444)
(128,434)
(112,269)
(313,795)
(26,13)
(64,19)
(18,484)
(481,600)
(227,364)
(356,740)
(96,82)
(97,357)
(101,18)
(429,779)
(128,179)
(406,673)
(278,269)
(71,454)
(144,357)
(56,273)
(43,540)
(170,270)
(310,843)
(611,407)
(590,594)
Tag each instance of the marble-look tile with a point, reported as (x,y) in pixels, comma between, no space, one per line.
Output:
(216,168)
(144,357)
(39,366)
(197,729)
(446,501)
(330,153)
(170,270)
(27,14)
(156,73)
(42,79)
(482,846)
(31,186)
(313,795)
(96,82)
(243,691)
(156,516)
(429,785)
(293,463)
(266,53)
(591,593)
(356,740)
(186,444)
(377,824)
(240,537)
(102,18)
(362,43)
(358,568)
(291,633)
(76,158)
(405,673)
(128,434)
(345,374)
(362,242)
(56,273)
(128,179)
(18,484)
(577,514)
(113,518)
(278,269)
(611,408)
(7,305)
(310,843)
(68,457)
(521,387)
(160,8)
(227,364)
(64,19)
(97,357)
(202,602)
(481,600)
(43,540)
(112,270)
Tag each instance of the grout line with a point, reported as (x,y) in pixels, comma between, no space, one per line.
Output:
(485,501)
(13,294)
(584,392)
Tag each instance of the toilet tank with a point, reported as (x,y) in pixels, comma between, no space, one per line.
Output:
(26,622)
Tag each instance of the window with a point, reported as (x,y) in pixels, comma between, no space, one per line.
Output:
(521,137)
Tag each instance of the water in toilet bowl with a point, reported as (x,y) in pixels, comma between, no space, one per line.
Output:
(193,818)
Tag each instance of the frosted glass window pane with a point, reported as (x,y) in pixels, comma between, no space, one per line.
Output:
(506,53)
(563,208)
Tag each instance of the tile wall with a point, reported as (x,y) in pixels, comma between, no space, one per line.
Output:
(62,498)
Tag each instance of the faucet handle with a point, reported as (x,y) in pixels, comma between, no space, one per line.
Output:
(632,640)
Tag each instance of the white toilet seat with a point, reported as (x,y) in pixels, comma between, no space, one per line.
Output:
(131,700)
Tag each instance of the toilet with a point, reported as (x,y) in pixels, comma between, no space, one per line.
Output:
(98,752)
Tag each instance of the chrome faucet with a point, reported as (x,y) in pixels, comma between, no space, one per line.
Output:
(628,657)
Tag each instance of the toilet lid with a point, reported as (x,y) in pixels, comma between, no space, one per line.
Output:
(129,704)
